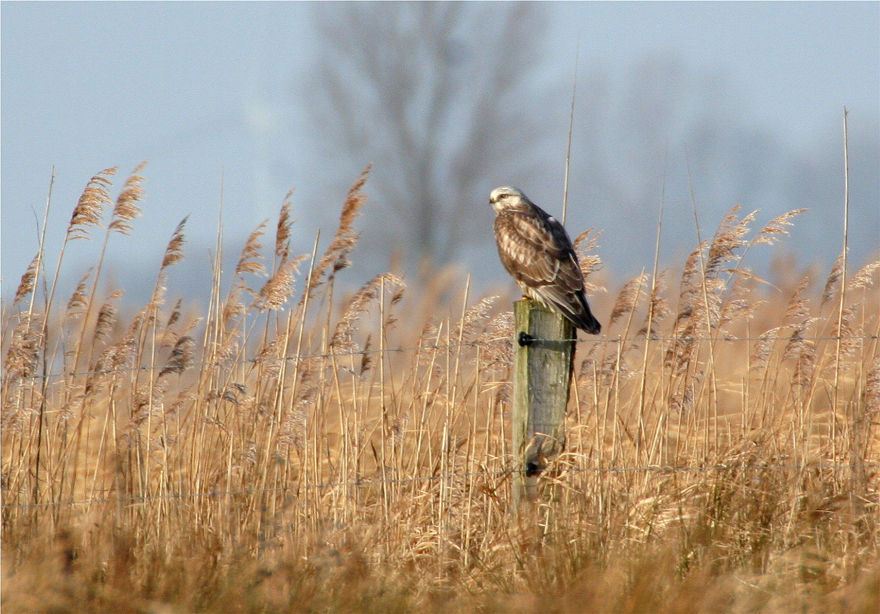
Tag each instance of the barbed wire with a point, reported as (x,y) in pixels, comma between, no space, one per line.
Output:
(257,360)
(360,483)
(428,347)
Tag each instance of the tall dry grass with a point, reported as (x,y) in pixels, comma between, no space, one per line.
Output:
(295,446)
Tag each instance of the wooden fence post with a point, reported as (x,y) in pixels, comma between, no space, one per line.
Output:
(543,362)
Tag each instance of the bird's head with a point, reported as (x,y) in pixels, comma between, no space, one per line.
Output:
(507,197)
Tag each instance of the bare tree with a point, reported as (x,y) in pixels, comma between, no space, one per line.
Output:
(441,97)
(664,130)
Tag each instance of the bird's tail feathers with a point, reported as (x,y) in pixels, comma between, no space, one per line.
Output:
(587,321)
(574,308)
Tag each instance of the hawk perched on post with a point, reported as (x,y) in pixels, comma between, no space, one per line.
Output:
(536,251)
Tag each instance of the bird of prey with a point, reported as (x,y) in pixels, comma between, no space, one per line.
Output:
(537,252)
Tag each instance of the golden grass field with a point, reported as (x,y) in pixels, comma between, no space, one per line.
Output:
(292,446)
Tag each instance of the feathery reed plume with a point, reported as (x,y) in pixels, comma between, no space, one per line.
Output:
(803,352)
(584,244)
(797,348)
(871,393)
(345,238)
(776,228)
(740,305)
(103,367)
(849,341)
(398,428)
(472,322)
(270,358)
(74,405)
(78,300)
(396,297)
(182,356)
(295,425)
(833,279)
(106,317)
(173,255)
(173,330)
(91,205)
(763,347)
(690,286)
(87,212)
(728,238)
(148,401)
(694,314)
(798,305)
(125,349)
(232,393)
(495,341)
(702,288)
(683,402)
(26,286)
(429,336)
(794,345)
(613,366)
(280,287)
(251,260)
(282,232)
(587,376)
(684,351)
(658,308)
(341,341)
(126,209)
(366,357)
(736,310)
(174,250)
(628,298)
(175,314)
(23,352)
(116,357)
(233,306)
(864,277)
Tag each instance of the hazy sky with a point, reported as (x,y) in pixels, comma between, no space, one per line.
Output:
(797,63)
(208,94)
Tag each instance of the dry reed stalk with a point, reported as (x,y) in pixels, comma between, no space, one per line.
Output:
(433,531)
(344,240)
(90,208)
(727,239)
(125,211)
(584,244)
(141,456)
(87,213)
(843,256)
(282,230)
(28,280)
(656,313)
(40,257)
(280,286)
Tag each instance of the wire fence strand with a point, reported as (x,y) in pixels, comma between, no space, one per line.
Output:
(413,479)
(427,347)
(215,493)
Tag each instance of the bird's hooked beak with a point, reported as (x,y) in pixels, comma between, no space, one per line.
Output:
(499,197)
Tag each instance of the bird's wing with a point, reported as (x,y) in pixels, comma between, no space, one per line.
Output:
(535,249)
(537,252)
